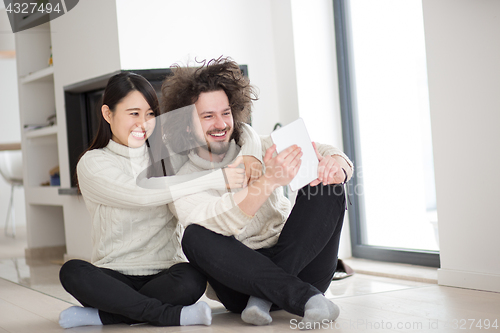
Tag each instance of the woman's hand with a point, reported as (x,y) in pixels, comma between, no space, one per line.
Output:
(281,169)
(329,170)
(235,177)
(253,168)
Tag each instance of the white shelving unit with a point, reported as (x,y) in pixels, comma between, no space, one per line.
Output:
(44,195)
(33,18)
(45,74)
(45,131)
(44,207)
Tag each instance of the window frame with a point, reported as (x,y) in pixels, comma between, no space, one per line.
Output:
(350,131)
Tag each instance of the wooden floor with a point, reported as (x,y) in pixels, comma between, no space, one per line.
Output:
(31,299)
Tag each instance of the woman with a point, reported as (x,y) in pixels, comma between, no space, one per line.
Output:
(138,271)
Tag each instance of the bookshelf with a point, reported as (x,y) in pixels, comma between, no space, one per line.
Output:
(44,206)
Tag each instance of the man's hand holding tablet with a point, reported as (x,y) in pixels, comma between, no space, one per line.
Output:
(296,133)
(314,169)
(329,170)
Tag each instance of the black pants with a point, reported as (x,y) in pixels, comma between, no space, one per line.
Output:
(155,299)
(299,266)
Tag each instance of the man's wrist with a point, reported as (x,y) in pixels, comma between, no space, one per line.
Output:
(266,184)
(346,167)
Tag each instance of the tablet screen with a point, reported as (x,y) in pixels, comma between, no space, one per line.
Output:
(296,133)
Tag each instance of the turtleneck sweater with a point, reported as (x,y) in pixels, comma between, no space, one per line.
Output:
(133,231)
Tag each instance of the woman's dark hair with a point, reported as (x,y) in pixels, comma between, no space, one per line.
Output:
(184,86)
(118,87)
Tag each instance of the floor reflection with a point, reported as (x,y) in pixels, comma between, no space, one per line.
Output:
(42,277)
(360,284)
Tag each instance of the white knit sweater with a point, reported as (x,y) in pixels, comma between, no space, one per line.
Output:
(133,231)
(216,210)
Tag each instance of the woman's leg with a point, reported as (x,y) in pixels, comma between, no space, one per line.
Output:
(181,284)
(114,296)
(236,271)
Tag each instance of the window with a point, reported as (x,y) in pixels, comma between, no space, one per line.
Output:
(386,124)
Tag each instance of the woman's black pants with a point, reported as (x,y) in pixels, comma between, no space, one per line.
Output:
(155,299)
(299,266)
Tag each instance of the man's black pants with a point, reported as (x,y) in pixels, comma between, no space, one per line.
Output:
(299,266)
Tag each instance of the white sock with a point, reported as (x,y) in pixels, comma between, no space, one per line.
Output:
(257,312)
(196,314)
(319,308)
(79,316)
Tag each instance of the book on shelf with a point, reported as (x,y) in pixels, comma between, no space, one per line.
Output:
(51,120)
(30,127)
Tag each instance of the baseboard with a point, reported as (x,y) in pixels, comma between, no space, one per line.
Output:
(44,254)
(393,270)
(469,280)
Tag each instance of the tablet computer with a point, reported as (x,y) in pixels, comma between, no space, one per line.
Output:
(296,133)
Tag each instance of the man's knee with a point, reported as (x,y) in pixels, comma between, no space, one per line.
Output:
(193,238)
(327,192)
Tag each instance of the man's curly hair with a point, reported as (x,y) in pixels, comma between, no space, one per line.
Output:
(184,86)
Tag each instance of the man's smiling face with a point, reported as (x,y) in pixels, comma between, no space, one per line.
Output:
(213,126)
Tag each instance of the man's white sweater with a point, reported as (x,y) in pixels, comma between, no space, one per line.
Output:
(216,210)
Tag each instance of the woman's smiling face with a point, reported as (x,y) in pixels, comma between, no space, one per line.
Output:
(132,121)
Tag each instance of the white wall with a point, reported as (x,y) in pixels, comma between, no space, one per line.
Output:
(84,45)
(7,42)
(286,71)
(316,66)
(317,79)
(463,52)
(9,112)
(180,31)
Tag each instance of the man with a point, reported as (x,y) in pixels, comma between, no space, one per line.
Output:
(254,249)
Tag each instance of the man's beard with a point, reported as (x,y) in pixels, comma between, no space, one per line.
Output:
(217,148)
